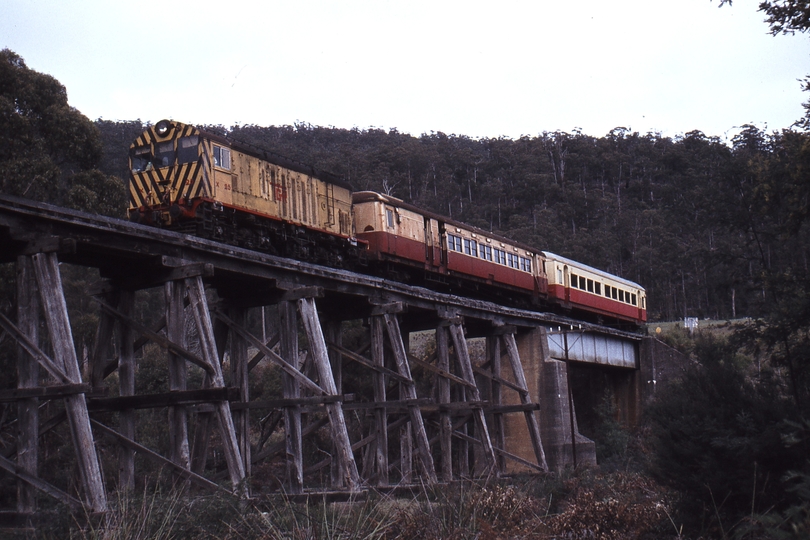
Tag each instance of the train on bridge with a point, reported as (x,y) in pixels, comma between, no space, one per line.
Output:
(194,181)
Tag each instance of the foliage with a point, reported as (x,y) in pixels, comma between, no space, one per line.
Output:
(717,436)
(612,440)
(48,149)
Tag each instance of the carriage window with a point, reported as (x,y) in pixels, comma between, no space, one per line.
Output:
(222,157)
(582,283)
(453,242)
(615,293)
(621,295)
(486,252)
(633,299)
(590,285)
(141,157)
(471,247)
(525,264)
(187,149)
(574,281)
(500,256)
(164,154)
(597,288)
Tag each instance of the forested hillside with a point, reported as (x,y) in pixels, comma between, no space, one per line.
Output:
(712,228)
(694,219)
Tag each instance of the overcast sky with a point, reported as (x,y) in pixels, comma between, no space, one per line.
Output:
(475,68)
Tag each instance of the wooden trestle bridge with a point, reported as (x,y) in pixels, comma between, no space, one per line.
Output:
(459,427)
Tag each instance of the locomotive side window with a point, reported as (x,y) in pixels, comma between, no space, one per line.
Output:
(389,217)
(164,154)
(187,149)
(560,276)
(141,158)
(222,157)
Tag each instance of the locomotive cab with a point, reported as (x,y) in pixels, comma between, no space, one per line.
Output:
(167,173)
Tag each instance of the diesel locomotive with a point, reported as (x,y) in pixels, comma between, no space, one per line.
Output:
(201,183)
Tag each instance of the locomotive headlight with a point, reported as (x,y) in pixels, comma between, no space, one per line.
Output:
(162,128)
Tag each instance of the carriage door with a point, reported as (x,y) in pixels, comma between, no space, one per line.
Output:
(442,246)
(390,222)
(567,278)
(432,243)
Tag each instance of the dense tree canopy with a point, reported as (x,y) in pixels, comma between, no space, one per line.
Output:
(48,149)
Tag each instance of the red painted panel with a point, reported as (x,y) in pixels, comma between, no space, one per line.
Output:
(602,304)
(391,244)
(556,291)
(497,273)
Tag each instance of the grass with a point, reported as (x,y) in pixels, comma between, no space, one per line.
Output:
(585,504)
